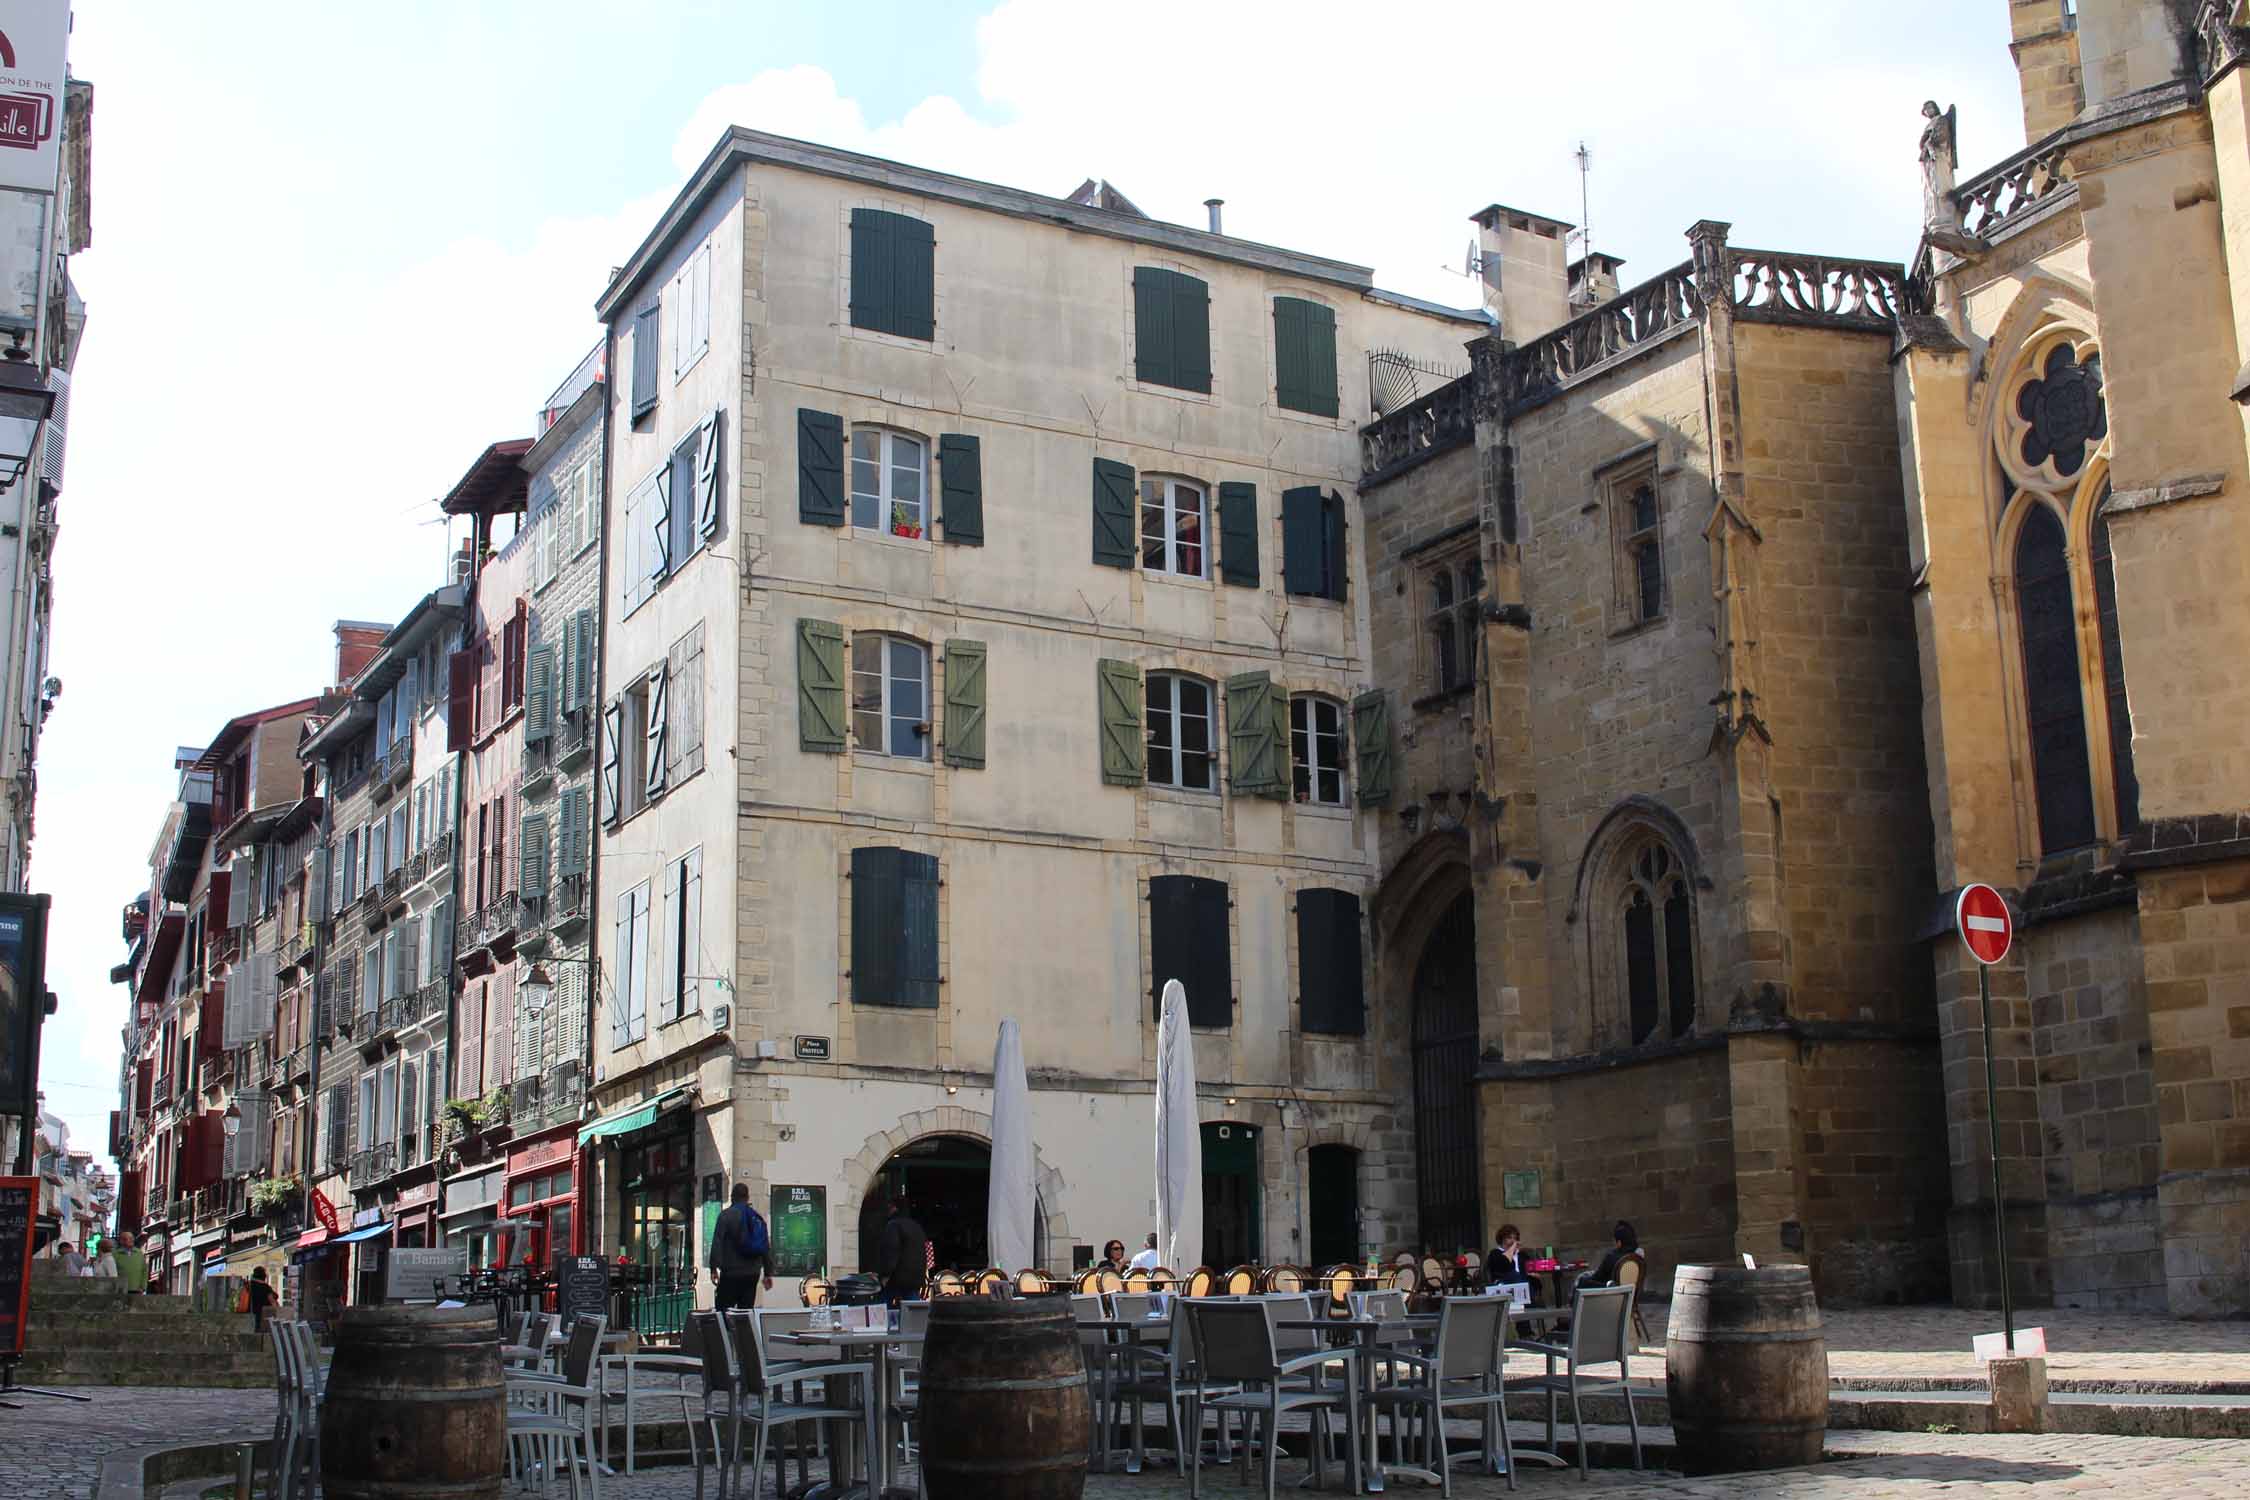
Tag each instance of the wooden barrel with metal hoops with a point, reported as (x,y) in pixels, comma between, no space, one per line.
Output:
(1004,1406)
(416,1406)
(1746,1368)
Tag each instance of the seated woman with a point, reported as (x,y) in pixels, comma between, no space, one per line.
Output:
(1506,1265)
(1626,1243)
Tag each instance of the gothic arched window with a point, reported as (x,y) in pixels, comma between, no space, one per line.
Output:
(2054,710)
(1658,927)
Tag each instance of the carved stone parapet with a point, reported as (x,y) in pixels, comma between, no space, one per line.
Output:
(1418,431)
(2218,43)
(2012,189)
(1778,287)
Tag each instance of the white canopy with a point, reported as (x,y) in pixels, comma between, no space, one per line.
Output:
(1179,1139)
(1012,1207)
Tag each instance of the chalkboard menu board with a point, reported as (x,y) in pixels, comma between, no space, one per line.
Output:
(581,1288)
(19,1196)
(797,1231)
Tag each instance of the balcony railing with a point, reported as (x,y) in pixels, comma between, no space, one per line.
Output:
(298,1064)
(373,1164)
(387,1015)
(418,867)
(574,738)
(538,766)
(569,906)
(496,922)
(394,885)
(430,1000)
(398,765)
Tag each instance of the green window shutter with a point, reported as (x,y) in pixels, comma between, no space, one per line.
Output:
(1334,569)
(581,691)
(1238,533)
(1124,751)
(1304,344)
(964,704)
(820,468)
(871,270)
(1115,522)
(539,694)
(961,477)
(1253,747)
(570,833)
(1171,329)
(913,278)
(820,687)
(1371,736)
(533,882)
(1302,536)
(1330,993)
(894,928)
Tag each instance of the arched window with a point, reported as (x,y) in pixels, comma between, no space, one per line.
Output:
(891,695)
(2113,673)
(1180,747)
(890,483)
(2054,710)
(1657,923)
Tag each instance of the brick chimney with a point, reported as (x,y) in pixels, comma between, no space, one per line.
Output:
(2045,48)
(357,641)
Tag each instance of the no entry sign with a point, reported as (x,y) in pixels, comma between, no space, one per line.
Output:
(1981,917)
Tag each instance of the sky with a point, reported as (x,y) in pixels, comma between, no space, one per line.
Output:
(334,257)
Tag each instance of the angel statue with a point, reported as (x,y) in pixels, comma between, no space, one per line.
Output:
(1941,158)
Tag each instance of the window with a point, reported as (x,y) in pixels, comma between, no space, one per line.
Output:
(1659,933)
(1179,733)
(1171,330)
(1304,356)
(1636,521)
(1313,563)
(691,312)
(890,483)
(632,789)
(1316,750)
(891,696)
(894,281)
(1330,995)
(543,547)
(629,1023)
(585,500)
(2113,673)
(1456,594)
(2056,716)
(1173,512)
(640,558)
(1188,941)
(647,325)
(681,539)
(894,958)
(679,991)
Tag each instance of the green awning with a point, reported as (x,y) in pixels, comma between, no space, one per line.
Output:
(639,1117)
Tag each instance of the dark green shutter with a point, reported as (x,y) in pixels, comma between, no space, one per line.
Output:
(1334,570)
(961,476)
(1171,329)
(894,928)
(820,687)
(1330,994)
(647,324)
(1188,941)
(1302,535)
(1371,738)
(1304,344)
(893,262)
(532,840)
(820,468)
(964,704)
(1114,523)
(1124,750)
(539,694)
(1238,532)
(918,934)
(1254,748)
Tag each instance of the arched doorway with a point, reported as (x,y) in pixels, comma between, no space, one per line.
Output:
(1449,1196)
(947,1179)
(1332,1214)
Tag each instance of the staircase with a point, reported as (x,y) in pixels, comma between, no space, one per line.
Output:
(87,1332)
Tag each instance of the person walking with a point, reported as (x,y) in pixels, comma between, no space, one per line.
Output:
(104,1263)
(73,1263)
(132,1265)
(902,1256)
(260,1292)
(741,1253)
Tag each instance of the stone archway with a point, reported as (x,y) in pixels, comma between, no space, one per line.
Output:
(859,1171)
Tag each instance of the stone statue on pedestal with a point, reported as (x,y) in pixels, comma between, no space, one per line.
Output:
(1941,158)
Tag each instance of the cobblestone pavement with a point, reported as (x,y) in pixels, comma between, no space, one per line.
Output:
(55,1448)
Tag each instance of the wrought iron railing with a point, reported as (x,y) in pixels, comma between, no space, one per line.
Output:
(394,884)
(430,999)
(659,1295)
(373,1164)
(441,852)
(417,866)
(574,736)
(398,764)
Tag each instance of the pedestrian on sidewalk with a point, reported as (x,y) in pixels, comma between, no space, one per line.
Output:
(261,1298)
(903,1256)
(741,1253)
(132,1265)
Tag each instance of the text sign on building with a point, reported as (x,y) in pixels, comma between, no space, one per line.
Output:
(1980,915)
(797,1231)
(812,1049)
(415,1275)
(34,43)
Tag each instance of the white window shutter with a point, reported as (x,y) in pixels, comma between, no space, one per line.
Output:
(613,781)
(620,1016)
(707,477)
(657,708)
(668,945)
(660,523)
(238,893)
(691,932)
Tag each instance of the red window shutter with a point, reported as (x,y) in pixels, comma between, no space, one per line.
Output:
(209,1144)
(144,1086)
(210,1032)
(215,897)
(460,699)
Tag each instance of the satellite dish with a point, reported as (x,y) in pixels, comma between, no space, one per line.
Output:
(1472,264)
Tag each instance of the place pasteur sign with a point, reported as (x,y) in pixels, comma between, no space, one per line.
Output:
(1981,916)
(34,45)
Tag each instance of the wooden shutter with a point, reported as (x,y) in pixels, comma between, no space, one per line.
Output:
(878,917)
(961,471)
(539,694)
(707,471)
(645,337)
(1152,327)
(871,270)
(1254,743)
(316,879)
(893,264)
(653,762)
(659,521)
(1303,542)
(1114,509)
(613,782)
(691,931)
(1238,532)
(668,949)
(533,840)
(1124,751)
(460,699)
(683,716)
(1335,567)
(964,704)
(235,892)
(1304,349)
(581,689)
(820,687)
(1371,737)
(1330,997)
(1188,941)
(441,938)
(1171,329)
(820,468)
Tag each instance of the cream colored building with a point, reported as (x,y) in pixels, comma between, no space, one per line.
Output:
(974,560)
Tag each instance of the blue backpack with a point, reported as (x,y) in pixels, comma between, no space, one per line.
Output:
(751,1232)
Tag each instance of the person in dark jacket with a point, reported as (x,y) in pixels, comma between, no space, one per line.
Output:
(737,1273)
(902,1256)
(1626,1243)
(1506,1265)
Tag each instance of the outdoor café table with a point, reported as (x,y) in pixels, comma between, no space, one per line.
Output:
(878,1342)
(631,1361)
(1367,1332)
(1124,1331)
(1545,1318)
(1560,1279)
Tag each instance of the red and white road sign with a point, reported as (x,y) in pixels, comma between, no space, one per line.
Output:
(1981,916)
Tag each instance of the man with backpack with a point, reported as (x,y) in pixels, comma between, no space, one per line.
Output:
(740,1249)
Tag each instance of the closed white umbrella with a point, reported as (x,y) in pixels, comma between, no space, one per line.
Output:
(1179,1139)
(1012,1204)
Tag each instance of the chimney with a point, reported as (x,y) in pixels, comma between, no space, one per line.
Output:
(1526,285)
(2128,46)
(1593,280)
(2045,48)
(1214,205)
(357,642)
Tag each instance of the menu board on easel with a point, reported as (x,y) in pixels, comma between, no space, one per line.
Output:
(582,1288)
(19,1196)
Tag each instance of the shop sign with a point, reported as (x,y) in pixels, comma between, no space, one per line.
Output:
(797,1230)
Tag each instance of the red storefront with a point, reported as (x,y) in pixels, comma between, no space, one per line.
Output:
(539,1213)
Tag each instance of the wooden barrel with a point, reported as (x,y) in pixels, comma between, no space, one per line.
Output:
(1004,1408)
(416,1406)
(1746,1368)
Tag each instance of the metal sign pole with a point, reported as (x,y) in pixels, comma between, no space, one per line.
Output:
(1992,1128)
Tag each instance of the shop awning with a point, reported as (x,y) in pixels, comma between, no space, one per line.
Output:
(639,1117)
(368,1233)
(214,1268)
(312,1237)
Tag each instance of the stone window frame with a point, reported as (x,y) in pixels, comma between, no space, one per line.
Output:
(1457,618)
(1601,894)
(1630,540)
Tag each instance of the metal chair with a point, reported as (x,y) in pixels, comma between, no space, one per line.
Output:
(1202,1281)
(1242,1281)
(1631,1271)
(1598,1317)
(297,1415)
(1168,1373)
(559,1411)
(1235,1344)
(1099,1352)
(1463,1369)
(761,1405)
(814,1291)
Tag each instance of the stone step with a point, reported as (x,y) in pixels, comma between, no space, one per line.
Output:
(198,1342)
(143,1368)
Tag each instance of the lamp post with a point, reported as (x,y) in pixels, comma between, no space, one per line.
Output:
(25,405)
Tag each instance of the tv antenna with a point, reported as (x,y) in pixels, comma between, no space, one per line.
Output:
(1585,160)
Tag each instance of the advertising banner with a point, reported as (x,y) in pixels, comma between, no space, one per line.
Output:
(34,47)
(798,1231)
